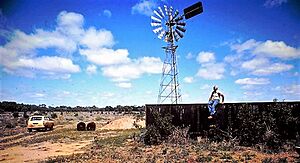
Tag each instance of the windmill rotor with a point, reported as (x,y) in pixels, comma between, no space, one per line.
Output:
(167,24)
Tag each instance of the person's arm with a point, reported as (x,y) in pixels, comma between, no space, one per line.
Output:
(210,97)
(222,98)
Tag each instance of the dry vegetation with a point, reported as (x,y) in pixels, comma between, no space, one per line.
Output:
(119,138)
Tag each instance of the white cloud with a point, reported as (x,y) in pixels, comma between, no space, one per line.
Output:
(262,66)
(211,71)
(272,69)
(250,44)
(277,49)
(66,93)
(262,58)
(188,79)
(252,93)
(95,39)
(255,63)
(189,56)
(204,57)
(269,48)
(70,24)
(51,64)
(124,85)
(252,81)
(149,92)
(144,7)
(104,56)
(274,3)
(107,13)
(292,89)
(91,69)
(107,94)
(205,87)
(133,69)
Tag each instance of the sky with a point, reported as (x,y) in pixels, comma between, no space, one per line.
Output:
(104,52)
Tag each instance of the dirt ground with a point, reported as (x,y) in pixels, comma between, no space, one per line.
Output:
(19,145)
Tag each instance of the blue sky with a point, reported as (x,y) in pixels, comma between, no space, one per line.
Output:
(104,52)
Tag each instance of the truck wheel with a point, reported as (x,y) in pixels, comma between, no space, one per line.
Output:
(29,130)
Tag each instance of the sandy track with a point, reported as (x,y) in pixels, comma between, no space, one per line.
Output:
(123,123)
(40,151)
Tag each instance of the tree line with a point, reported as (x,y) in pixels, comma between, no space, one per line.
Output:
(9,106)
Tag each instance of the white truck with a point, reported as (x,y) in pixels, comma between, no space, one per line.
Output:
(38,122)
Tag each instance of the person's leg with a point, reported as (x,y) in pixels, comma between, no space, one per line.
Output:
(210,106)
(213,107)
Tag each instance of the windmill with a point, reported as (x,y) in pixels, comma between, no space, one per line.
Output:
(170,27)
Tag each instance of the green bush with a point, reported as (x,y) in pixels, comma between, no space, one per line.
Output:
(269,125)
(160,130)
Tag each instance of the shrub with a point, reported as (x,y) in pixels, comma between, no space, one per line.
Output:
(179,136)
(54,115)
(15,114)
(25,115)
(269,125)
(11,124)
(159,131)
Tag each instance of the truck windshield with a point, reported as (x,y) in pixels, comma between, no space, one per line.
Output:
(36,118)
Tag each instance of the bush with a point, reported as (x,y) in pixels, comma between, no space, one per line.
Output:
(179,136)
(25,115)
(11,124)
(53,115)
(15,114)
(160,130)
(270,126)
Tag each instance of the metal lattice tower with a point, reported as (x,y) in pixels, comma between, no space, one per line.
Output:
(169,26)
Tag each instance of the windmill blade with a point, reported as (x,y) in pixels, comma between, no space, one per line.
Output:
(179,34)
(171,10)
(161,11)
(175,36)
(180,28)
(155,19)
(179,18)
(176,14)
(157,30)
(156,13)
(180,23)
(161,35)
(155,24)
(166,9)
